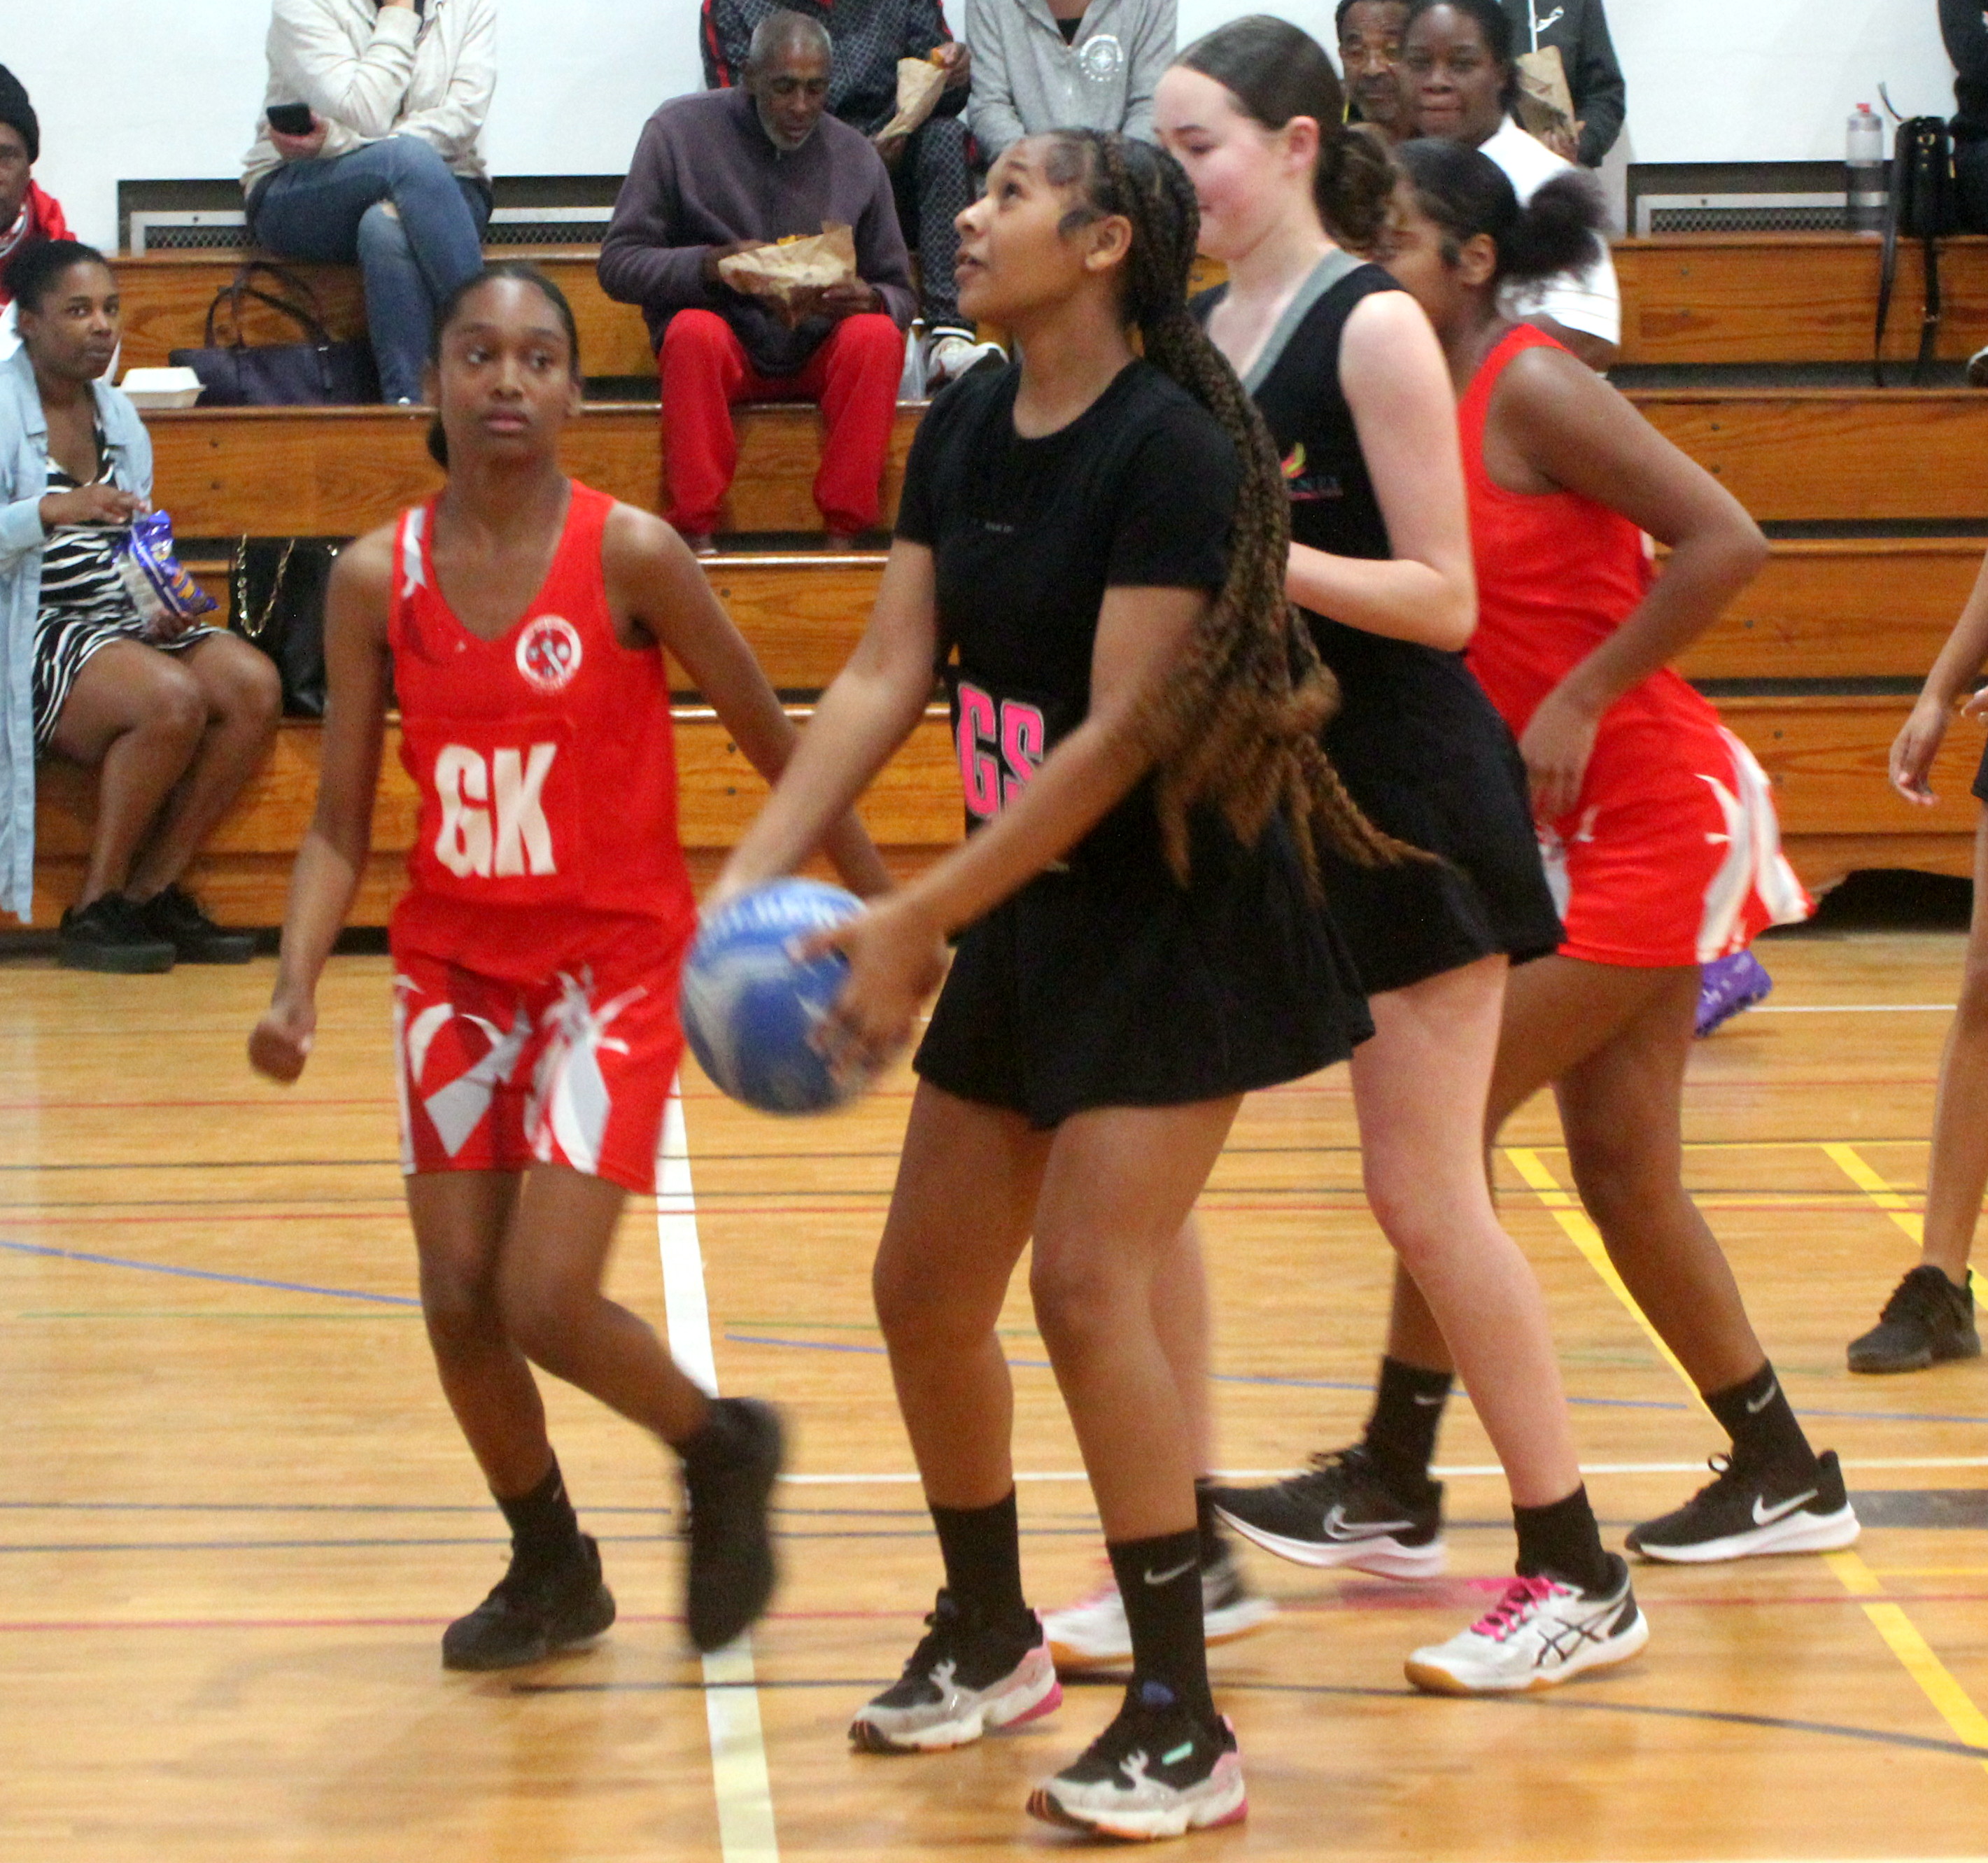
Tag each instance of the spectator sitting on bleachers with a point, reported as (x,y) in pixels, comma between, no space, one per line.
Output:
(177,722)
(1457,55)
(26,213)
(725,169)
(1065,64)
(1370,54)
(930,172)
(1579,29)
(390,174)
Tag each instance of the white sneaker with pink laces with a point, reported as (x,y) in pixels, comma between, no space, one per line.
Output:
(1540,1633)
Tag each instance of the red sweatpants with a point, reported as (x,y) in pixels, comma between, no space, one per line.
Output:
(853,375)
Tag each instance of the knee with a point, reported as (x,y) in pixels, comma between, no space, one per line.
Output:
(411,159)
(1617,1179)
(1077,1304)
(1971,1011)
(542,1323)
(177,705)
(249,691)
(382,239)
(914,1312)
(460,1306)
(699,335)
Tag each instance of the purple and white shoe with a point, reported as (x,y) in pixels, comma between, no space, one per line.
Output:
(1726,985)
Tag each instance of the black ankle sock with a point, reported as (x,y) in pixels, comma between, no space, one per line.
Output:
(1160,1580)
(1401,1434)
(1561,1540)
(983,1550)
(1208,1523)
(544,1528)
(1756,1415)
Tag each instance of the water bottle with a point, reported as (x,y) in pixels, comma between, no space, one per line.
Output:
(1864,160)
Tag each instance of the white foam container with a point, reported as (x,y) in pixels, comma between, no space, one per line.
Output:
(155,388)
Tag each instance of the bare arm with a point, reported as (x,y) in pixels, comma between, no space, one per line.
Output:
(869,710)
(332,860)
(1574,432)
(1392,370)
(1959,664)
(1141,633)
(653,578)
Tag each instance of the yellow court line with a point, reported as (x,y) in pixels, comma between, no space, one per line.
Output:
(1568,1213)
(1955,1706)
(1878,1189)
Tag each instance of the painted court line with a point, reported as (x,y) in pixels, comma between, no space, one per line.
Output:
(1901,1637)
(738,1776)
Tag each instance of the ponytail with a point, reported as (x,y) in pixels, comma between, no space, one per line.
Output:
(1237,724)
(1464,193)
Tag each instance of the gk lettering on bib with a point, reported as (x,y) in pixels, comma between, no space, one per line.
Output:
(500,817)
(1001,743)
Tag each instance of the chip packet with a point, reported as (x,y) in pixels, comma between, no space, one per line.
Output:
(166,597)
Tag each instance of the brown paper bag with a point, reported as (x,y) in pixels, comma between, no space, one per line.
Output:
(1545,104)
(919,82)
(791,275)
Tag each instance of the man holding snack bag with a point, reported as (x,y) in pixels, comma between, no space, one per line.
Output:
(719,180)
(902,79)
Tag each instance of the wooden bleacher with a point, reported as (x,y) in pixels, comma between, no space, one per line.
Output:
(1794,665)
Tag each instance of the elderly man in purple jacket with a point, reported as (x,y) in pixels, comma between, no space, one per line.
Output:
(722,169)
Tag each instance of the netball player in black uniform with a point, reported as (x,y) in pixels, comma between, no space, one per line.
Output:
(1349,376)
(1095,544)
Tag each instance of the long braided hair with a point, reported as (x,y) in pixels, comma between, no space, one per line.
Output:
(1237,723)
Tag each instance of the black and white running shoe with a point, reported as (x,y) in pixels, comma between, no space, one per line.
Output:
(1339,1511)
(1541,1633)
(1157,1771)
(535,1610)
(964,1679)
(1747,1510)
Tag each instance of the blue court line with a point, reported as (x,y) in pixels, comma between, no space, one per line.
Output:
(205,1274)
(1556,1703)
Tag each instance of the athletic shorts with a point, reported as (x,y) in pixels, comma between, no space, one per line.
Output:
(497,1075)
(1673,855)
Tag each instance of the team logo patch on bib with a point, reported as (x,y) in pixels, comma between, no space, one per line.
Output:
(1100,57)
(549,652)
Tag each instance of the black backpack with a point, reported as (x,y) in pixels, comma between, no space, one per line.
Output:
(1922,205)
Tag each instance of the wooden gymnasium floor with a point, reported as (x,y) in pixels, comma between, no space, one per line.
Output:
(236,1514)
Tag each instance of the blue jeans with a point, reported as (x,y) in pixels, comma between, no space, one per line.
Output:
(335,212)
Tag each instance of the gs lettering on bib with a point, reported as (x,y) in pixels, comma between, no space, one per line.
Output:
(500,817)
(1001,743)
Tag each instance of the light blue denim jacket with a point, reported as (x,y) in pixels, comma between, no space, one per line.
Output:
(24,481)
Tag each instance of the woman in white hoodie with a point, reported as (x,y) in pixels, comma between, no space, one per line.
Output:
(388,174)
(1040,65)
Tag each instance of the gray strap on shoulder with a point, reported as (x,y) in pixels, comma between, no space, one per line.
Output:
(1329,270)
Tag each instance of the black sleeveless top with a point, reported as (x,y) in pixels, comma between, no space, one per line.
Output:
(1419,745)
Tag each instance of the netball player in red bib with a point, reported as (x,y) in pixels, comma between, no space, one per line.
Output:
(518,619)
(1656,823)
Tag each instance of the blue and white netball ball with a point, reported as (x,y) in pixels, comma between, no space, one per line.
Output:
(749,1010)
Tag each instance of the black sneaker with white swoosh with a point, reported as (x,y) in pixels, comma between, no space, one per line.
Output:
(1750,1509)
(1340,1512)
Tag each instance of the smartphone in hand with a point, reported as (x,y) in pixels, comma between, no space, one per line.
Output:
(291,119)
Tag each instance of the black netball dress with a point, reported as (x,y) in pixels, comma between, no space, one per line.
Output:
(1417,743)
(1103,982)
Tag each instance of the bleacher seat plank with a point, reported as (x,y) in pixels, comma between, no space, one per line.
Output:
(166,296)
(1866,455)
(803,615)
(1847,608)
(1827,757)
(911,810)
(1787,297)
(336,472)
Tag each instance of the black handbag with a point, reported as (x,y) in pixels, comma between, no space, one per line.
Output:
(317,372)
(276,589)
(1922,205)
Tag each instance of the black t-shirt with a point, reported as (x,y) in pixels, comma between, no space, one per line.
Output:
(1138,492)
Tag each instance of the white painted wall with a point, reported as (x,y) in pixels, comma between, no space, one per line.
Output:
(127,90)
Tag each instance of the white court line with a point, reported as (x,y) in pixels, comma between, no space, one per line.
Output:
(739,1776)
(1851,1009)
(1460,1470)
